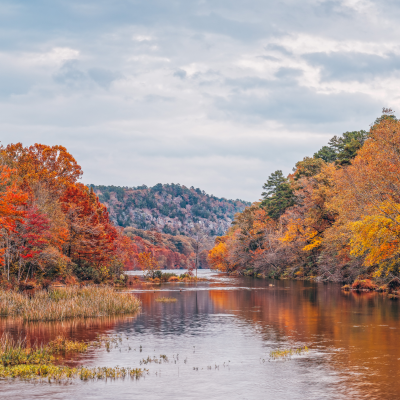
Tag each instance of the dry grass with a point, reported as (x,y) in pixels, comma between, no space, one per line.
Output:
(70,302)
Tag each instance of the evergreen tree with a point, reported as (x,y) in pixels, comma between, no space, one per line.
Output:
(277,196)
(342,149)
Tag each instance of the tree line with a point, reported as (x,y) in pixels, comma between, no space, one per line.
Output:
(335,217)
(52,227)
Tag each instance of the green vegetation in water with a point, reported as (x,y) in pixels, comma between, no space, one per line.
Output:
(287,353)
(166,299)
(163,358)
(20,360)
(65,303)
(20,352)
(59,373)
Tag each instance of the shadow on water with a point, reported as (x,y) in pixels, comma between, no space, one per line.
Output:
(218,335)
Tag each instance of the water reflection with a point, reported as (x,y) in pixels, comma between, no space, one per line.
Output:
(218,336)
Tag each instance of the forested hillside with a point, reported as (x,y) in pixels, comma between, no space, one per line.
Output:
(172,209)
(336,217)
(171,252)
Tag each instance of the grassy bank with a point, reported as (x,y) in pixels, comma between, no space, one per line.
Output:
(65,303)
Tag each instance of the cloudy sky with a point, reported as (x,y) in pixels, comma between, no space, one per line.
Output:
(211,93)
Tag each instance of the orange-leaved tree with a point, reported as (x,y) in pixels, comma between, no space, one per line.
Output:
(368,199)
(12,200)
(148,263)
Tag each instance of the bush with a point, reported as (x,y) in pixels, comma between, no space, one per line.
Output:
(393,285)
(158,274)
(173,279)
(167,275)
(365,284)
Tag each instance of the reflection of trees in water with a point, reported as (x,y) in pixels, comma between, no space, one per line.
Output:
(359,324)
(77,328)
(190,313)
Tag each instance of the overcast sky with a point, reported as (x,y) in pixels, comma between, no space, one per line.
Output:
(215,94)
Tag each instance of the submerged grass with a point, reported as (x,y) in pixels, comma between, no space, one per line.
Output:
(166,299)
(19,360)
(287,353)
(60,373)
(163,358)
(19,352)
(65,303)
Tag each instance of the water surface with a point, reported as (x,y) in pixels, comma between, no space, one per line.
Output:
(218,337)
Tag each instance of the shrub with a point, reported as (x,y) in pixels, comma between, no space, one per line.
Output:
(393,285)
(365,284)
(173,279)
(165,277)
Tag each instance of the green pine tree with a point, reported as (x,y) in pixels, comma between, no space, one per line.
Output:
(278,195)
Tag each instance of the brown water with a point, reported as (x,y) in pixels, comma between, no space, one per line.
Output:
(218,337)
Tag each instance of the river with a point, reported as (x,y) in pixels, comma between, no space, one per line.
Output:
(218,336)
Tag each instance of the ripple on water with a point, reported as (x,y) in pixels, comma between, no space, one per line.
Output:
(217,339)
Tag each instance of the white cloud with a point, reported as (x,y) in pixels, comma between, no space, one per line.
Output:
(216,95)
(142,38)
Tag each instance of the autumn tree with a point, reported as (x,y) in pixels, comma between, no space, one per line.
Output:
(148,264)
(367,199)
(218,256)
(51,166)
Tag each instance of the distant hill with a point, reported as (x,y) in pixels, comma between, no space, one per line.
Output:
(171,208)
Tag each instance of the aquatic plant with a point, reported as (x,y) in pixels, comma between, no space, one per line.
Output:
(163,358)
(63,345)
(65,303)
(18,359)
(59,373)
(287,353)
(20,351)
(166,299)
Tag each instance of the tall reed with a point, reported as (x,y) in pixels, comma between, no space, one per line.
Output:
(65,303)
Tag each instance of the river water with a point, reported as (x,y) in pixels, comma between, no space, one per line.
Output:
(218,336)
